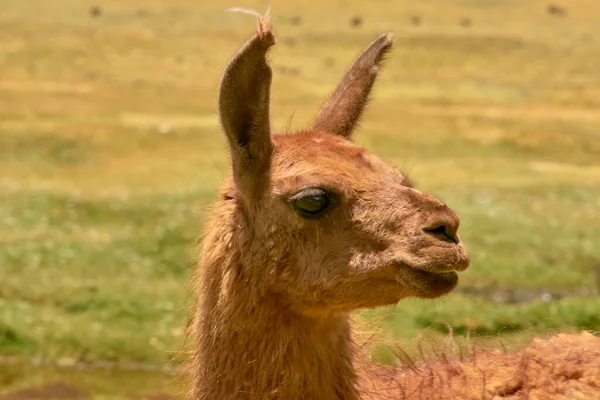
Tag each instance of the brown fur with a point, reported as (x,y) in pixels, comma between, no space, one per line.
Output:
(275,287)
(564,367)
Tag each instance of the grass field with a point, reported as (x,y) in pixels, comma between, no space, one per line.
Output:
(110,153)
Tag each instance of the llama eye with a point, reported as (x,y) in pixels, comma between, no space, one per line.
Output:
(311,202)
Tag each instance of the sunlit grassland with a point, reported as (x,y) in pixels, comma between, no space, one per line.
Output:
(99,208)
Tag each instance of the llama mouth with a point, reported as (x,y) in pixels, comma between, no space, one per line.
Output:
(455,260)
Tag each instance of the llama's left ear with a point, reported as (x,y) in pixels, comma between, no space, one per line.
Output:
(343,109)
(244,111)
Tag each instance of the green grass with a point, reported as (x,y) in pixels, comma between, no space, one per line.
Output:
(99,210)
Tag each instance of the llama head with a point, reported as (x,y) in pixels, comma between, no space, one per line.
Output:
(320,223)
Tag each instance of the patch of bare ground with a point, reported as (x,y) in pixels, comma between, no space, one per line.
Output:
(63,391)
(53,391)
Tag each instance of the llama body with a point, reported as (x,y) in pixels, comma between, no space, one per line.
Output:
(308,228)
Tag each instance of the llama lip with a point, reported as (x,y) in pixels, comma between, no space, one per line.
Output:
(428,284)
(444,269)
(453,259)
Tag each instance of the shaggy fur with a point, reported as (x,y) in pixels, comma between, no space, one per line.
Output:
(563,367)
(275,287)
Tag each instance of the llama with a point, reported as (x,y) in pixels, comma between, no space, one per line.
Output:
(310,227)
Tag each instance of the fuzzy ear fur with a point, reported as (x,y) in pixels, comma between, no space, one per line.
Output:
(344,107)
(244,112)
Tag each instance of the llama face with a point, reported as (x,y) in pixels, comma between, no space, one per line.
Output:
(321,223)
(343,229)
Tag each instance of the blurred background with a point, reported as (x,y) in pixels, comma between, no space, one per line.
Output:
(110,154)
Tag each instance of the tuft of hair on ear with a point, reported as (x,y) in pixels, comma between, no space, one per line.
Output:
(263,20)
(244,99)
(341,112)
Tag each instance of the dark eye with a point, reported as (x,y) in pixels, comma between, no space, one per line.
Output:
(311,202)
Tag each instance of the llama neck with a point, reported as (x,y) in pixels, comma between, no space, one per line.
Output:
(256,350)
(252,346)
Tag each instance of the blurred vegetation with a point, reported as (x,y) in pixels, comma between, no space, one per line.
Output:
(110,154)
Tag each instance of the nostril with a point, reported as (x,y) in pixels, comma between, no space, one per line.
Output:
(443,232)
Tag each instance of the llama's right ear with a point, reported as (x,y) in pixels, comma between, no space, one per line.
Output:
(340,114)
(244,112)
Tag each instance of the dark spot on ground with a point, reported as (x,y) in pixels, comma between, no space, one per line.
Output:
(415,20)
(95,11)
(466,22)
(557,10)
(356,21)
(295,20)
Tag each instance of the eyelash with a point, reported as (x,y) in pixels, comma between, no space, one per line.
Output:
(324,202)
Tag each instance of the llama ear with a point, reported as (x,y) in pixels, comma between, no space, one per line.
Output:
(344,107)
(244,112)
